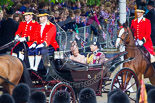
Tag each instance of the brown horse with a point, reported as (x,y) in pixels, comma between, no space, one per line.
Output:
(139,64)
(11,68)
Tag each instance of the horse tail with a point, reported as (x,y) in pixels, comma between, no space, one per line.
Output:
(26,76)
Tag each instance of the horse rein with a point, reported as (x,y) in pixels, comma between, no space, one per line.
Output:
(123,40)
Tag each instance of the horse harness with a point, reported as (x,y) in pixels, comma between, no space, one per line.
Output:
(143,51)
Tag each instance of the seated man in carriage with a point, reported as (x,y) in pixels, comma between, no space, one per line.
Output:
(95,57)
(44,42)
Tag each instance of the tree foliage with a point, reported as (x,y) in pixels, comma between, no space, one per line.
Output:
(89,2)
(8,2)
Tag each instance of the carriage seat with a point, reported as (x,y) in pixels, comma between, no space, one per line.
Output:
(77,66)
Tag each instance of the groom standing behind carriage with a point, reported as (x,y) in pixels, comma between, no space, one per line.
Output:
(141,28)
(24,34)
(44,42)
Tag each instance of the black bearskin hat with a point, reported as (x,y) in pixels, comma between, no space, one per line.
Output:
(6,98)
(117,96)
(151,96)
(61,97)
(37,97)
(21,93)
(87,95)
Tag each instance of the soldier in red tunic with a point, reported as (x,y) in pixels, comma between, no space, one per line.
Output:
(24,34)
(44,43)
(141,28)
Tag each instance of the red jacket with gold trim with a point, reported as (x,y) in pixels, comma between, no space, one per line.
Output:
(142,30)
(27,31)
(48,35)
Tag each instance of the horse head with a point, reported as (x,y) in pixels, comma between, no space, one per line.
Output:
(124,37)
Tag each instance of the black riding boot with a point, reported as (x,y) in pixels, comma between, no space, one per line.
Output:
(153,64)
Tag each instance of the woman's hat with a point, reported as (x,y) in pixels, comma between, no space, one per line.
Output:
(28,12)
(43,12)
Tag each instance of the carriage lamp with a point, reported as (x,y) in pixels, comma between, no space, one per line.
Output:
(58,55)
(61,55)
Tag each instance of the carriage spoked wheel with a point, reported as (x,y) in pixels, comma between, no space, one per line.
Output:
(126,80)
(62,86)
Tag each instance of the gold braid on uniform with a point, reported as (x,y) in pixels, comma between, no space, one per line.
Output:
(90,58)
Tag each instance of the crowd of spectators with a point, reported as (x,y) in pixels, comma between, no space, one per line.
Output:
(22,94)
(71,15)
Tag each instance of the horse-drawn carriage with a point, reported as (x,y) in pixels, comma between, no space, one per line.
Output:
(72,76)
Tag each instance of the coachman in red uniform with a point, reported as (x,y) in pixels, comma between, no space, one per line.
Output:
(24,34)
(141,28)
(44,43)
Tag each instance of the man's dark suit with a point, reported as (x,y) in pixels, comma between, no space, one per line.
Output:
(151,16)
(7,32)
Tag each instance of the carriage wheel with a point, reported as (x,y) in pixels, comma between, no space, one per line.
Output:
(62,86)
(126,80)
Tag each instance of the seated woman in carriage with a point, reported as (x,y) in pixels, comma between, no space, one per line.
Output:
(76,55)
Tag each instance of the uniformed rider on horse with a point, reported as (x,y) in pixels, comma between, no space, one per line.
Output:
(141,28)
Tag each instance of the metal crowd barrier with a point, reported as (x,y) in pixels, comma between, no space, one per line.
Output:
(85,35)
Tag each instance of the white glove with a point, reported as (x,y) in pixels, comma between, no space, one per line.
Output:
(40,46)
(140,42)
(16,38)
(33,46)
(136,42)
(22,39)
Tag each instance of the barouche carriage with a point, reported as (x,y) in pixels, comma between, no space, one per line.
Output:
(72,76)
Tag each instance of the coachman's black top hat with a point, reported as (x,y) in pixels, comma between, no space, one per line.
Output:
(151,3)
(28,12)
(140,9)
(43,12)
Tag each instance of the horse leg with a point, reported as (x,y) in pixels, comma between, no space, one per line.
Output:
(10,87)
(139,77)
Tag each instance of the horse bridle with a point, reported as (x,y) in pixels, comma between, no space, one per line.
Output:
(123,40)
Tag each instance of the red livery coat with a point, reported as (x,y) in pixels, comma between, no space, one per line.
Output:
(48,35)
(27,31)
(142,30)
